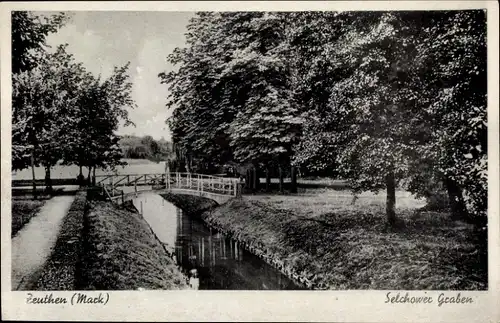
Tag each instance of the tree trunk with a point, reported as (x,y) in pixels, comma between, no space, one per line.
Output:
(455,195)
(247,180)
(48,180)
(250,179)
(280,169)
(391,198)
(93,176)
(182,167)
(256,180)
(88,175)
(293,175)
(188,164)
(33,173)
(80,176)
(268,179)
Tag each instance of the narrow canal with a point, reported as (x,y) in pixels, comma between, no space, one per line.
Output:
(219,261)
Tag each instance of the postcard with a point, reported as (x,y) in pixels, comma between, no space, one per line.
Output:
(250,161)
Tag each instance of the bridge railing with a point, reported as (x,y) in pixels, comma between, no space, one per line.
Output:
(191,181)
(129,179)
(203,183)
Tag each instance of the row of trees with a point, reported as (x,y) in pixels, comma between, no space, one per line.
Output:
(380,98)
(60,111)
(145,148)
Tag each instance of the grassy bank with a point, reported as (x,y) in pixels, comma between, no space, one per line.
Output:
(194,205)
(60,272)
(23,209)
(329,240)
(121,253)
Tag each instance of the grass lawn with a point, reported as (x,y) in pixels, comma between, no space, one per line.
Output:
(325,181)
(23,209)
(337,242)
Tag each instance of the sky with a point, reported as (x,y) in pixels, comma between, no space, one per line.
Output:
(102,40)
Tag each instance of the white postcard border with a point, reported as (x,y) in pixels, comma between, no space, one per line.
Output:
(357,306)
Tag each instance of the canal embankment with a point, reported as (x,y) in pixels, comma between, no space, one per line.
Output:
(191,204)
(120,252)
(263,231)
(328,240)
(261,238)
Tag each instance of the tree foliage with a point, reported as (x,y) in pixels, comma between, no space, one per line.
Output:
(101,106)
(229,87)
(60,111)
(380,98)
(41,100)
(145,148)
(29,32)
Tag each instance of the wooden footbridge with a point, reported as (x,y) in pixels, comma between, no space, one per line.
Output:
(117,188)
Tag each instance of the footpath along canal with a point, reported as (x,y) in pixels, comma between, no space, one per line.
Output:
(220,262)
(33,244)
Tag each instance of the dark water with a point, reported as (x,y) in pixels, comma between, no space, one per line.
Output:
(221,263)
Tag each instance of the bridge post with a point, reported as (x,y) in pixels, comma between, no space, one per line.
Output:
(167,174)
(113,186)
(123,198)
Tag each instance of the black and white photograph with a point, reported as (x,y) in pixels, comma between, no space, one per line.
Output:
(250,150)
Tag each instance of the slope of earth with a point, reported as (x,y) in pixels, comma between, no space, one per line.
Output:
(120,252)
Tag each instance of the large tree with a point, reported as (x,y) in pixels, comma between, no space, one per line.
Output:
(101,106)
(231,92)
(406,102)
(268,123)
(199,121)
(455,81)
(29,32)
(41,101)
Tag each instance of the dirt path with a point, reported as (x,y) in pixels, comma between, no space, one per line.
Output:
(34,242)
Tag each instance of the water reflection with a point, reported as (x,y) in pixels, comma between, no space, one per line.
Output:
(212,260)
